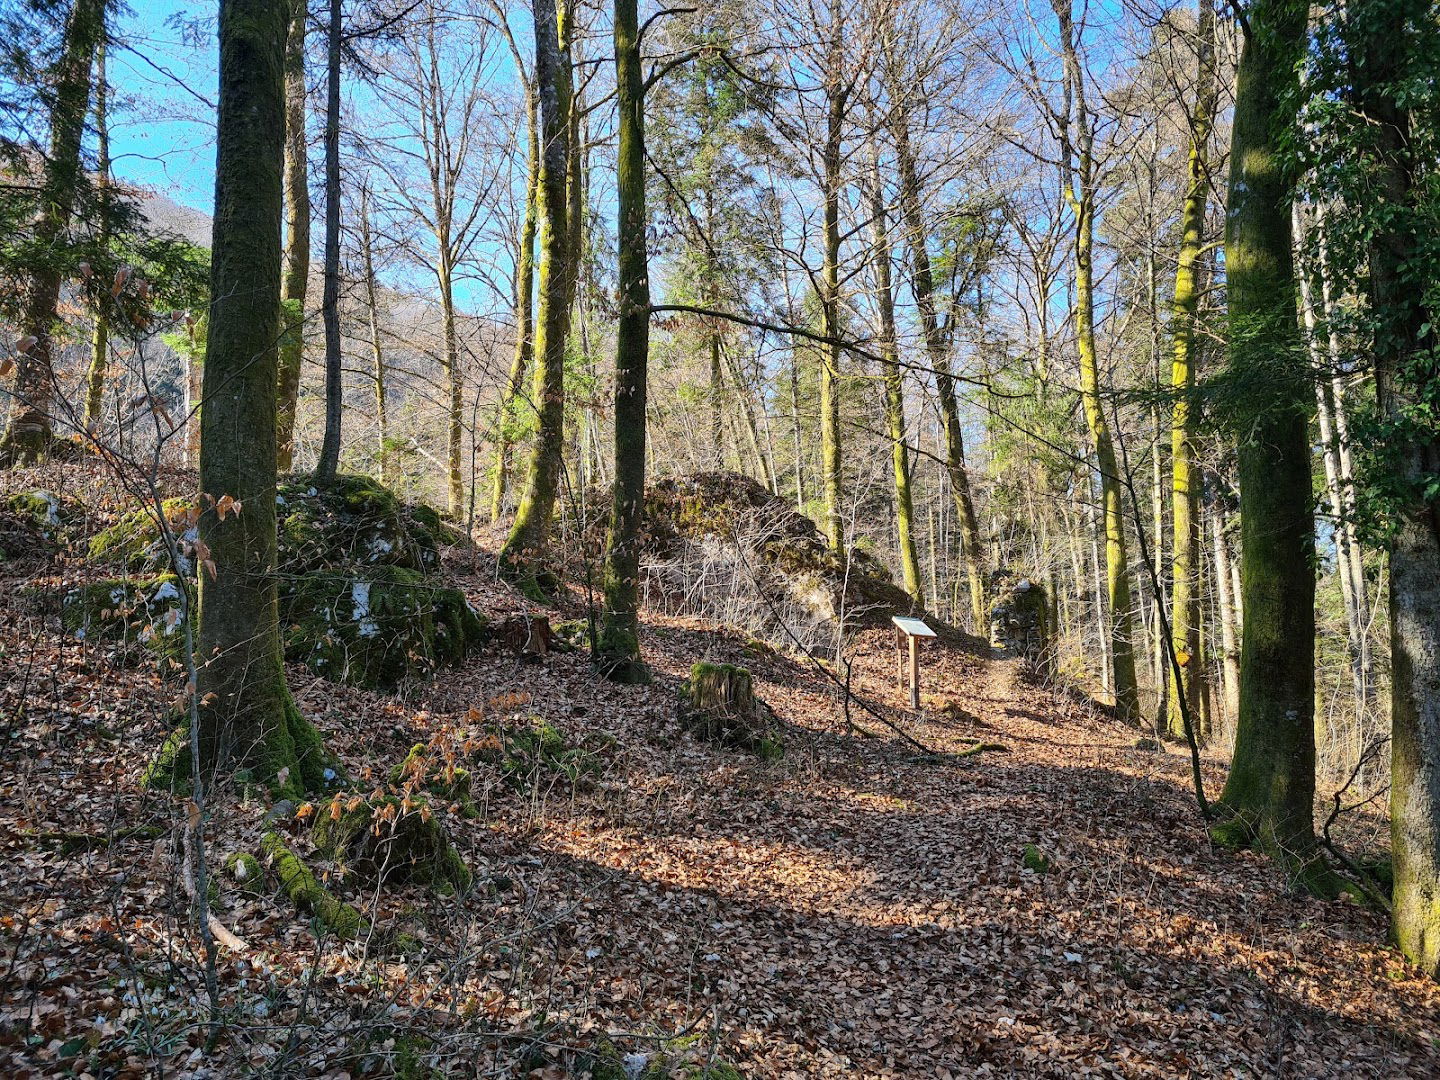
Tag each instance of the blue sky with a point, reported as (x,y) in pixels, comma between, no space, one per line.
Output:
(164,138)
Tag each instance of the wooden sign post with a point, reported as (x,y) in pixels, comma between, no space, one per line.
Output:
(909,632)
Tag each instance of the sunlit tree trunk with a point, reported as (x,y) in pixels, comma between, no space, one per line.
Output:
(100,332)
(836,96)
(1270,793)
(31,426)
(247,717)
(1406,370)
(937,355)
(377,351)
(510,407)
(894,382)
(1225,614)
(1077,151)
(527,539)
(619,644)
(1185,476)
(296,280)
(329,462)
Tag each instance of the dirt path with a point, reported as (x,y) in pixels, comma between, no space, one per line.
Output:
(858,912)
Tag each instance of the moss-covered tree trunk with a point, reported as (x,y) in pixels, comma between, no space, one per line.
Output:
(937,355)
(377,350)
(1184,475)
(619,645)
(247,717)
(1270,792)
(100,332)
(519,558)
(329,462)
(30,426)
(509,426)
(1078,181)
(1383,34)
(296,280)
(894,378)
(831,453)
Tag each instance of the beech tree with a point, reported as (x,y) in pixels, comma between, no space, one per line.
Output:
(1270,792)
(247,716)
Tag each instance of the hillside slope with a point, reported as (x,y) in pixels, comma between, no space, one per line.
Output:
(860,908)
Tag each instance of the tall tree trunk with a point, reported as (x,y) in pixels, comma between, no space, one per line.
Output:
(894,382)
(1343,527)
(377,351)
(937,355)
(1185,477)
(1406,371)
(247,717)
(618,653)
(1225,614)
(831,454)
(510,405)
(525,545)
(100,335)
(1078,183)
(1270,792)
(329,462)
(296,280)
(30,427)
(795,430)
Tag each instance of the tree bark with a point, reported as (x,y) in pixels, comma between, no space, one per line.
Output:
(296,281)
(1185,477)
(831,452)
(247,717)
(1078,183)
(1406,371)
(1270,792)
(329,462)
(31,427)
(377,351)
(529,534)
(100,334)
(894,382)
(510,424)
(618,653)
(937,355)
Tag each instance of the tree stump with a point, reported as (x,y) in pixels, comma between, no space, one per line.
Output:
(718,704)
(528,636)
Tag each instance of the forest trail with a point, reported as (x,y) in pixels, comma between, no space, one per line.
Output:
(857,909)
(861,910)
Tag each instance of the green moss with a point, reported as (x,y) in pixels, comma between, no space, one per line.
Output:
(293,745)
(526,754)
(246,871)
(375,631)
(445,780)
(381,840)
(353,521)
(51,514)
(140,611)
(299,884)
(1035,860)
(135,543)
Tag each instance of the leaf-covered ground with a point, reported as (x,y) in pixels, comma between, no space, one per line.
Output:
(860,908)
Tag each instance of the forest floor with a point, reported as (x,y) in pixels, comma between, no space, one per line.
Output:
(856,909)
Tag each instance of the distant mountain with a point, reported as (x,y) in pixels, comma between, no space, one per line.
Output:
(165,213)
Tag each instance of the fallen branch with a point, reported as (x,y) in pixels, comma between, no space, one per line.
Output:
(218,930)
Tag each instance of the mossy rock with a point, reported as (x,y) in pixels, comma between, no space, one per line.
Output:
(717,703)
(135,542)
(300,885)
(390,840)
(377,630)
(354,521)
(246,871)
(1035,860)
(51,515)
(140,611)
